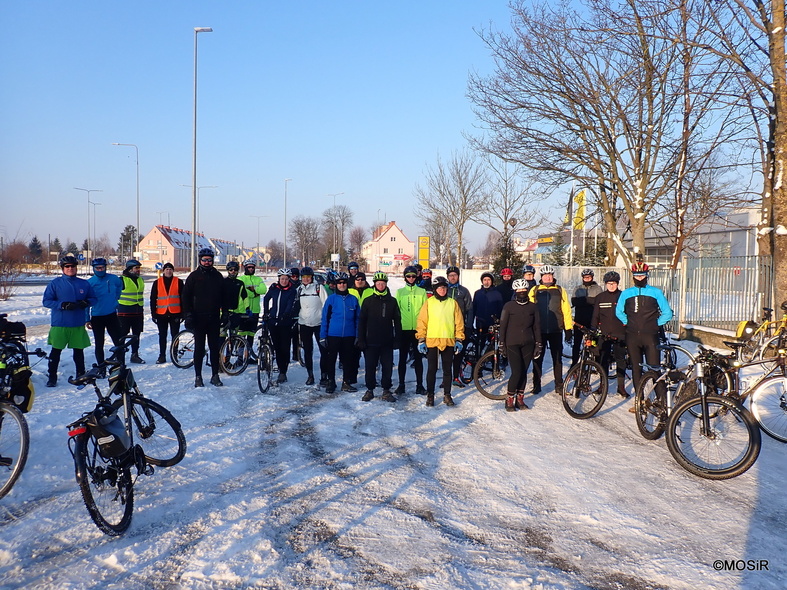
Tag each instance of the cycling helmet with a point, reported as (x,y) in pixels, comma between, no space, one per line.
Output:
(547,269)
(233,264)
(587,272)
(99,262)
(639,268)
(487,274)
(519,284)
(284,271)
(295,272)
(330,276)
(342,277)
(68,259)
(506,272)
(352,264)
(451,269)
(528,268)
(612,277)
(206,252)
(307,271)
(359,275)
(418,268)
(249,263)
(426,273)
(410,270)
(132,263)
(440,282)
(380,276)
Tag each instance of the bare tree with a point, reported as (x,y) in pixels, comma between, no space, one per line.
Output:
(594,97)
(12,263)
(305,232)
(357,238)
(276,249)
(337,219)
(452,196)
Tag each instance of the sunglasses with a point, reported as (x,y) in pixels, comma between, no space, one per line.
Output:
(206,260)
(410,276)
(69,266)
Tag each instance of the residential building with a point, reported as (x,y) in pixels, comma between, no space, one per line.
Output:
(389,249)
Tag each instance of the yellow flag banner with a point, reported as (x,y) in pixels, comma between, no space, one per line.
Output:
(579,210)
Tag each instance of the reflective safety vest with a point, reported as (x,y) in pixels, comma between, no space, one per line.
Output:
(168,301)
(133,291)
(441,319)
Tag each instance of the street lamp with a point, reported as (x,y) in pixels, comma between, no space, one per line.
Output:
(286,180)
(94,224)
(136,149)
(334,195)
(198,190)
(160,213)
(197,31)
(258,233)
(88,191)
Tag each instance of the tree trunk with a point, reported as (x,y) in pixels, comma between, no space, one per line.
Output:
(779,195)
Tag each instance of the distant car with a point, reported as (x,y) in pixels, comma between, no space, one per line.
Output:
(320,277)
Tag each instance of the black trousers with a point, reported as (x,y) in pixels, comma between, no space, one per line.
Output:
(446,357)
(309,335)
(382,355)
(554,341)
(281,335)
(408,344)
(344,348)
(206,326)
(100,324)
(519,359)
(54,361)
(166,323)
(132,324)
(615,349)
(642,344)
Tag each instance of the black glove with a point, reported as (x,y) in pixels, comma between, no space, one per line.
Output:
(360,344)
(154,318)
(324,342)
(569,336)
(265,317)
(84,304)
(538,351)
(188,321)
(503,349)
(69,306)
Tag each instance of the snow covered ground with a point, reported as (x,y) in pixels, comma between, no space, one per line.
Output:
(299,489)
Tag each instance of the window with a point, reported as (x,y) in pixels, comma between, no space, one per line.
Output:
(393,238)
(385,250)
(401,251)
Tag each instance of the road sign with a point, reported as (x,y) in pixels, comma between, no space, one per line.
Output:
(159,266)
(266,257)
(81,257)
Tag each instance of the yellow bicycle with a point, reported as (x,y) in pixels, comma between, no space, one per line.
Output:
(759,339)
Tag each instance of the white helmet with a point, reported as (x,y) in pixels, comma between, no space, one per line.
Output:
(519,284)
(547,269)
(284,271)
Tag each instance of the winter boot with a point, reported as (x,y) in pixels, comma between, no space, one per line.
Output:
(430,399)
(135,358)
(310,380)
(448,400)
(536,386)
(324,381)
(368,396)
(52,381)
(198,381)
(388,396)
(347,387)
(399,389)
(282,378)
(510,403)
(330,386)
(520,401)
(161,359)
(419,390)
(216,380)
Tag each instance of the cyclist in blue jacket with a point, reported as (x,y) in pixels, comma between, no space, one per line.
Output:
(103,315)
(338,331)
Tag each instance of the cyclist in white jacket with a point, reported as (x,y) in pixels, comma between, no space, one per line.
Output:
(309,300)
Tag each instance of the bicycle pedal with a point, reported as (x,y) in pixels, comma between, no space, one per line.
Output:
(148,470)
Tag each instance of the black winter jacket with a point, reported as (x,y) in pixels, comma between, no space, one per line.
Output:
(203,292)
(380,323)
(604,317)
(520,324)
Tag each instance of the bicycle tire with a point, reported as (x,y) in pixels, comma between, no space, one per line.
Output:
(768,403)
(181,350)
(491,376)
(679,357)
(468,363)
(106,485)
(649,410)
(158,432)
(14,446)
(264,368)
(234,355)
(584,389)
(731,447)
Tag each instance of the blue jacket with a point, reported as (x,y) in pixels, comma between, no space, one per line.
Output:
(279,304)
(643,309)
(340,316)
(63,289)
(107,290)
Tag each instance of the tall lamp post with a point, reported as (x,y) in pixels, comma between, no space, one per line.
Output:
(199,188)
(88,191)
(197,31)
(334,195)
(257,255)
(94,225)
(136,149)
(286,180)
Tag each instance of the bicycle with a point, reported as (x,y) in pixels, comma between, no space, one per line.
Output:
(181,350)
(15,399)
(586,383)
(712,436)
(476,346)
(491,372)
(760,339)
(234,351)
(263,345)
(658,389)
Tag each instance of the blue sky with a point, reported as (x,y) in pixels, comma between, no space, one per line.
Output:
(356,97)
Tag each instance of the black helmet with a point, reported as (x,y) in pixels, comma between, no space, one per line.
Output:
(206,252)
(307,271)
(99,262)
(233,264)
(352,264)
(528,268)
(68,259)
(440,282)
(487,274)
(612,277)
(587,272)
(409,270)
(295,272)
(451,269)
(418,268)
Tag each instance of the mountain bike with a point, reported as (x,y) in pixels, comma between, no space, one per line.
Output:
(263,345)
(760,340)
(15,399)
(181,350)
(586,383)
(712,436)
(492,372)
(478,344)
(116,436)
(234,351)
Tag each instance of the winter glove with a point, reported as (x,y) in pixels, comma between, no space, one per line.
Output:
(360,344)
(324,342)
(188,321)
(569,336)
(266,316)
(458,346)
(538,351)
(422,347)
(69,306)
(84,304)
(154,319)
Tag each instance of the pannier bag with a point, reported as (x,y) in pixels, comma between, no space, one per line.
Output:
(22,390)
(110,433)
(12,330)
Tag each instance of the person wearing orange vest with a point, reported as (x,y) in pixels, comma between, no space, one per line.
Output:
(165,310)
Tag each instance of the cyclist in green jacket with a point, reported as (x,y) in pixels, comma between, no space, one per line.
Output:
(410,298)
(255,289)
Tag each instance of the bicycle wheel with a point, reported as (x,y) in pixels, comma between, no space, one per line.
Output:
(106,485)
(264,366)
(468,363)
(727,449)
(768,404)
(181,351)
(650,408)
(14,444)
(158,432)
(678,357)
(234,355)
(491,376)
(584,389)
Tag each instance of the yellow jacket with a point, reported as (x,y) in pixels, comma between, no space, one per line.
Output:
(440,323)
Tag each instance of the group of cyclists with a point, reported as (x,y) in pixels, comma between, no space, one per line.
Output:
(347,318)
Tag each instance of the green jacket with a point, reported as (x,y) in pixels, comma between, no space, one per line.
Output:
(255,289)
(410,299)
